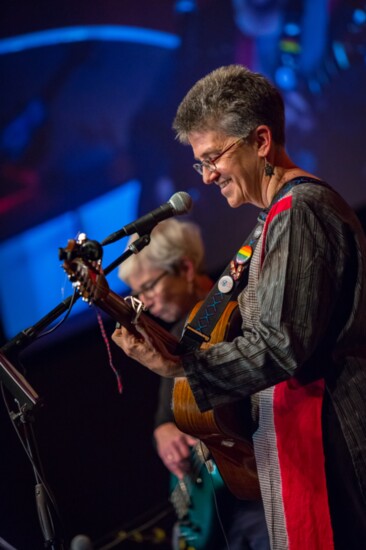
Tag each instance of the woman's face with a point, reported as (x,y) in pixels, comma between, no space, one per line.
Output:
(167,296)
(238,172)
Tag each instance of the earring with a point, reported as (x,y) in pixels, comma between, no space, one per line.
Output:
(268,168)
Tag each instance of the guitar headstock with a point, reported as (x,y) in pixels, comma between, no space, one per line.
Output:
(85,274)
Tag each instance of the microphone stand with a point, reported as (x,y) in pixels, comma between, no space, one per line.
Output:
(27,336)
(26,398)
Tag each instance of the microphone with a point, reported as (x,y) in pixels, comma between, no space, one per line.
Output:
(178,204)
(81,542)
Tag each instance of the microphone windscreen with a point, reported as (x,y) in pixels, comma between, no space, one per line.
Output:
(181,202)
(81,542)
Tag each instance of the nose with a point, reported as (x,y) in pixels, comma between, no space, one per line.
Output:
(209,177)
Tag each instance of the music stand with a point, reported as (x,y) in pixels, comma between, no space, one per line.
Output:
(26,399)
(23,393)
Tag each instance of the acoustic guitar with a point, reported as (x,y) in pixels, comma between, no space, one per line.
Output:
(224,430)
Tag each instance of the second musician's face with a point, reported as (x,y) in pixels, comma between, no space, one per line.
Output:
(168,300)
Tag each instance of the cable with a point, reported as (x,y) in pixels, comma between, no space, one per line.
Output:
(64,318)
(123,535)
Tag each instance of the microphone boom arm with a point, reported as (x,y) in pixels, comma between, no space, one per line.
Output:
(27,336)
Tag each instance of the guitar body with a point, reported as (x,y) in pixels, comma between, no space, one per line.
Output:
(194,500)
(224,430)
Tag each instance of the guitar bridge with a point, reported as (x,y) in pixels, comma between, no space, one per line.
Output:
(137,306)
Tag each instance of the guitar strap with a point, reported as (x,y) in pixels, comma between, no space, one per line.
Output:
(231,282)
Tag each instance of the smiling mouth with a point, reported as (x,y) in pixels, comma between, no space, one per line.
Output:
(223,184)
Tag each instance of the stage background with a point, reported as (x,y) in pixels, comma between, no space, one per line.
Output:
(87,99)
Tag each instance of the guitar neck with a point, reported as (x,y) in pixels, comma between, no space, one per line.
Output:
(120,310)
(93,287)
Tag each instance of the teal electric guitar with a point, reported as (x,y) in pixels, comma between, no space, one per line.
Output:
(194,499)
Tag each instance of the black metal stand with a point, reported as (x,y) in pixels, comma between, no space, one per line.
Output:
(26,400)
(42,499)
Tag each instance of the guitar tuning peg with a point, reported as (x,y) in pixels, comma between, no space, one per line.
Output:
(81,238)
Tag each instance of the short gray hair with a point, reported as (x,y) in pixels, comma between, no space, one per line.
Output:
(232,100)
(171,241)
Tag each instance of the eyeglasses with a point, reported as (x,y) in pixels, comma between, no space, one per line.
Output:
(210,164)
(148,288)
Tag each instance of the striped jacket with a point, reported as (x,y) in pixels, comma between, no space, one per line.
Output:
(301,358)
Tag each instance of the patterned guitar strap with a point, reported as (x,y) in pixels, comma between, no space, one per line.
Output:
(231,282)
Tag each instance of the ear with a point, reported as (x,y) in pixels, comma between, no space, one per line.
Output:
(187,269)
(264,140)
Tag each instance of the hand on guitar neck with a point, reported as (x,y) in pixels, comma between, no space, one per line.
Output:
(144,340)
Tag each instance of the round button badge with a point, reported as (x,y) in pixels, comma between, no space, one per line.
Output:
(225,284)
